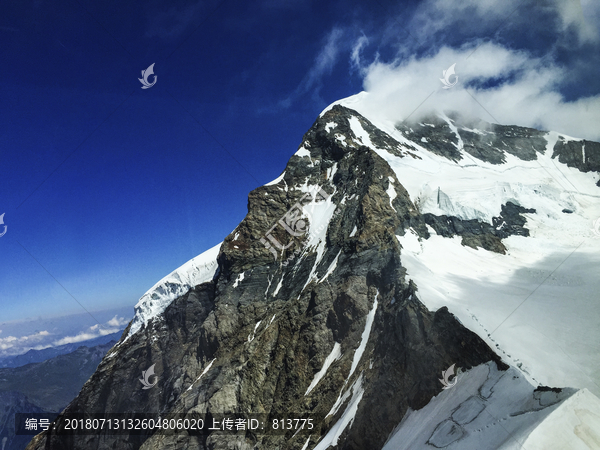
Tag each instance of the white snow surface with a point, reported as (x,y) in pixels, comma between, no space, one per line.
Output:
(489,409)
(276,180)
(279,286)
(253,335)
(391,192)
(539,302)
(302,152)
(575,425)
(305,446)
(361,134)
(239,279)
(196,271)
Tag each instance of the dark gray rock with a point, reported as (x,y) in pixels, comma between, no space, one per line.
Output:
(482,140)
(436,135)
(583,155)
(476,233)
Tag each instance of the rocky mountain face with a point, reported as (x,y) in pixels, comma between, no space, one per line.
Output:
(311,309)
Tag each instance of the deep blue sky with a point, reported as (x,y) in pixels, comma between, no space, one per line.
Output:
(110,186)
(107,187)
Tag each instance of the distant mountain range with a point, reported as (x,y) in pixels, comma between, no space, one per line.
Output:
(36,356)
(46,386)
(13,402)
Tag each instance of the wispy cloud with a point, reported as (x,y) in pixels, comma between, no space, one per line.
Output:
(519,62)
(478,18)
(355,55)
(83,336)
(174,21)
(323,65)
(513,78)
(583,16)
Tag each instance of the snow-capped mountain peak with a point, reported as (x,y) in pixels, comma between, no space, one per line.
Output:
(384,254)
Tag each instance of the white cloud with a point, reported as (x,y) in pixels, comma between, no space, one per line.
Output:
(112,326)
(117,322)
(511,60)
(38,340)
(509,86)
(10,342)
(74,339)
(582,15)
(326,58)
(94,332)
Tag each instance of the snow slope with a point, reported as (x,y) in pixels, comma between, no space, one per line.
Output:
(539,302)
(196,271)
(488,409)
(538,305)
(575,425)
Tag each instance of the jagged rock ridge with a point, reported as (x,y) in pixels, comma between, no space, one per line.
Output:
(253,339)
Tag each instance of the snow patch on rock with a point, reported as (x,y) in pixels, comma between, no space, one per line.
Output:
(334,433)
(336,353)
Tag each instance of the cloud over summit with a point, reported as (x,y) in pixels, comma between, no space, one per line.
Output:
(495,84)
(518,63)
